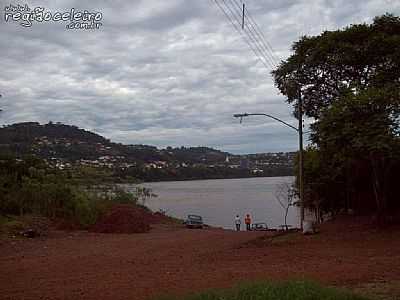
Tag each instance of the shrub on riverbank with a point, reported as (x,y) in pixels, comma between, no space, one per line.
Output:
(30,187)
(295,290)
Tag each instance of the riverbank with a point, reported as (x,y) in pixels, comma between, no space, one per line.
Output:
(171,259)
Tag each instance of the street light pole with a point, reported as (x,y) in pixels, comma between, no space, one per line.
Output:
(301,159)
(299,130)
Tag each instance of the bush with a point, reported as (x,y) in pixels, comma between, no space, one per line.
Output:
(12,225)
(123,197)
(30,187)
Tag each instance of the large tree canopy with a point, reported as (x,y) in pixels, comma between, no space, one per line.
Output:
(349,81)
(327,66)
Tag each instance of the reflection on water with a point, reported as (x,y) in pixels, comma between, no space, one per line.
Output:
(219,201)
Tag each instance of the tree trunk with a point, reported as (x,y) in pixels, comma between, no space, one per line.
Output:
(379,192)
(286,213)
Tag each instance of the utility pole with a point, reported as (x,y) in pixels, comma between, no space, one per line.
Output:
(301,158)
(299,130)
(244,7)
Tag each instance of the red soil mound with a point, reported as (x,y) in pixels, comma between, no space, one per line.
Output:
(127,219)
(124,219)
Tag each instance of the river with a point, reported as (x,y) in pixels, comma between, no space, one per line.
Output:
(218,201)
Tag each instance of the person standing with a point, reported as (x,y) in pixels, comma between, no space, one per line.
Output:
(237,222)
(247,221)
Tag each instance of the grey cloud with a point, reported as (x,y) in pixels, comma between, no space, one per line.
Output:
(162,72)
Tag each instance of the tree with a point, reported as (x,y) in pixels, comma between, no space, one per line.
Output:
(363,129)
(327,66)
(350,84)
(285,195)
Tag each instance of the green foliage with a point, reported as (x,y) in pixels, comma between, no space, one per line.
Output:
(15,225)
(12,227)
(362,123)
(358,146)
(88,175)
(340,62)
(30,187)
(124,197)
(349,82)
(294,290)
(18,139)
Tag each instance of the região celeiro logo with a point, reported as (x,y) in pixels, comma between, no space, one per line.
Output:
(75,19)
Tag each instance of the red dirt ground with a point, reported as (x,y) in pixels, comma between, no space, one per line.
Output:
(175,260)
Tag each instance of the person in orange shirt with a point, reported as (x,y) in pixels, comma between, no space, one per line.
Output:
(247,221)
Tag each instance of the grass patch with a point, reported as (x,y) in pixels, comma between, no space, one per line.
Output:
(286,237)
(12,226)
(277,238)
(380,290)
(174,220)
(294,290)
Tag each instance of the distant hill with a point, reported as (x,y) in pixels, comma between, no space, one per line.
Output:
(66,146)
(72,143)
(27,132)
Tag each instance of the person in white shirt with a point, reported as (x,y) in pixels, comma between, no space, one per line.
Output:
(237,222)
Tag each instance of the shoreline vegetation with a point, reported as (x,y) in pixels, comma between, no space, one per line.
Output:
(348,81)
(30,187)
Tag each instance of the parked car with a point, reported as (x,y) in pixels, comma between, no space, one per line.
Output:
(194,221)
(259,226)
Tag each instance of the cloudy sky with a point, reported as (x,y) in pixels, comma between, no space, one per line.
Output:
(162,72)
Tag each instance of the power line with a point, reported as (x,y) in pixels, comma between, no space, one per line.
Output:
(250,31)
(237,16)
(277,60)
(256,31)
(241,33)
(237,13)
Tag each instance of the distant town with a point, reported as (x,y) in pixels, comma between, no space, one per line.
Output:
(66,147)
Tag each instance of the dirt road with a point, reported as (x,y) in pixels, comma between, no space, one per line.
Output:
(175,260)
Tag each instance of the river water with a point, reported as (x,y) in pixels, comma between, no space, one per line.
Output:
(218,201)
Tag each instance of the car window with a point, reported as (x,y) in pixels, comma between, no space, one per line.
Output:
(194,217)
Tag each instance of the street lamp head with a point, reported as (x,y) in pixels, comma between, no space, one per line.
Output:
(241,115)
